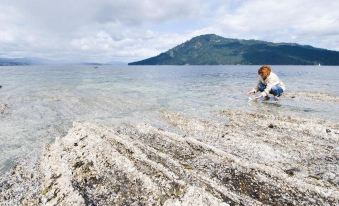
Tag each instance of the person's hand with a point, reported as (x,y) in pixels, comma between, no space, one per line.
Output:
(262,94)
(251,92)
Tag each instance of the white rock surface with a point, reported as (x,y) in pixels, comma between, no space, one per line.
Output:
(245,159)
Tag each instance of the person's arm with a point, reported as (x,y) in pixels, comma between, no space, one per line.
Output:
(255,89)
(257,86)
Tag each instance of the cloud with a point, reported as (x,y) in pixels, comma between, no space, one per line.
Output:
(302,21)
(105,30)
(78,28)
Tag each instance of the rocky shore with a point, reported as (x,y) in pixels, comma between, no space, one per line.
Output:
(244,158)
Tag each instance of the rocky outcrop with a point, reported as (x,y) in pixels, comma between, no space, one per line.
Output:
(279,141)
(248,159)
(313,96)
(3,108)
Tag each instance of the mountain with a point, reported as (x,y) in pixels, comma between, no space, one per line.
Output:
(15,61)
(41,61)
(211,49)
(24,61)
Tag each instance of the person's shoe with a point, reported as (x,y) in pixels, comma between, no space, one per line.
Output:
(276,98)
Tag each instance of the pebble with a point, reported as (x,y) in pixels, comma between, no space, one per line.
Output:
(271,126)
(292,171)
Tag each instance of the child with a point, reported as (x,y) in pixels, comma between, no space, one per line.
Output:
(269,83)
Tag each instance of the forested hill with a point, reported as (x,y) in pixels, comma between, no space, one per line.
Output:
(211,49)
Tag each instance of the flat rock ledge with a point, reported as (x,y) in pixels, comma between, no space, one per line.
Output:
(144,165)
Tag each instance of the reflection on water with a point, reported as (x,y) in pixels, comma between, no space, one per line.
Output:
(43,101)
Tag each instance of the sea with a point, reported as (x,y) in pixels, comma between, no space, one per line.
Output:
(43,101)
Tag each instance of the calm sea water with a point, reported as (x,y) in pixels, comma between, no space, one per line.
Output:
(44,100)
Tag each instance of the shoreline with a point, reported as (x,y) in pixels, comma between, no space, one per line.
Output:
(245,158)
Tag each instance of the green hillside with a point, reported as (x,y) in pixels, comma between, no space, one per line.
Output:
(211,49)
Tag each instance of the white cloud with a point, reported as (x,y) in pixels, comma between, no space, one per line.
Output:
(105,30)
(117,28)
(304,21)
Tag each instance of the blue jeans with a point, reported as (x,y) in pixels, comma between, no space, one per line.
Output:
(275,90)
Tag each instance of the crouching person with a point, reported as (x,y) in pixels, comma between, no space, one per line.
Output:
(269,83)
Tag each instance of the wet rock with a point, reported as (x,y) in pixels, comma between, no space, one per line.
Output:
(314,96)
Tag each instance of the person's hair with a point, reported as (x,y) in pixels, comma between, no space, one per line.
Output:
(265,67)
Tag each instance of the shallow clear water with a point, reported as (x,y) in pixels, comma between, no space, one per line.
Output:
(43,101)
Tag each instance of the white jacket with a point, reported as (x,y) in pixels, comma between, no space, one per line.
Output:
(270,81)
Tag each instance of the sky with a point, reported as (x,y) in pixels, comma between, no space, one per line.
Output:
(129,30)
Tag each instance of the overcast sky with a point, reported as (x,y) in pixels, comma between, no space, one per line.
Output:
(126,30)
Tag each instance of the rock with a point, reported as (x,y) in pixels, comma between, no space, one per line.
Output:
(336,153)
(314,96)
(145,165)
(330,176)
(271,126)
(328,130)
(292,171)
(78,164)
(3,108)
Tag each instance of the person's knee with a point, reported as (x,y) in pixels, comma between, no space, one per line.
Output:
(276,91)
(261,87)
